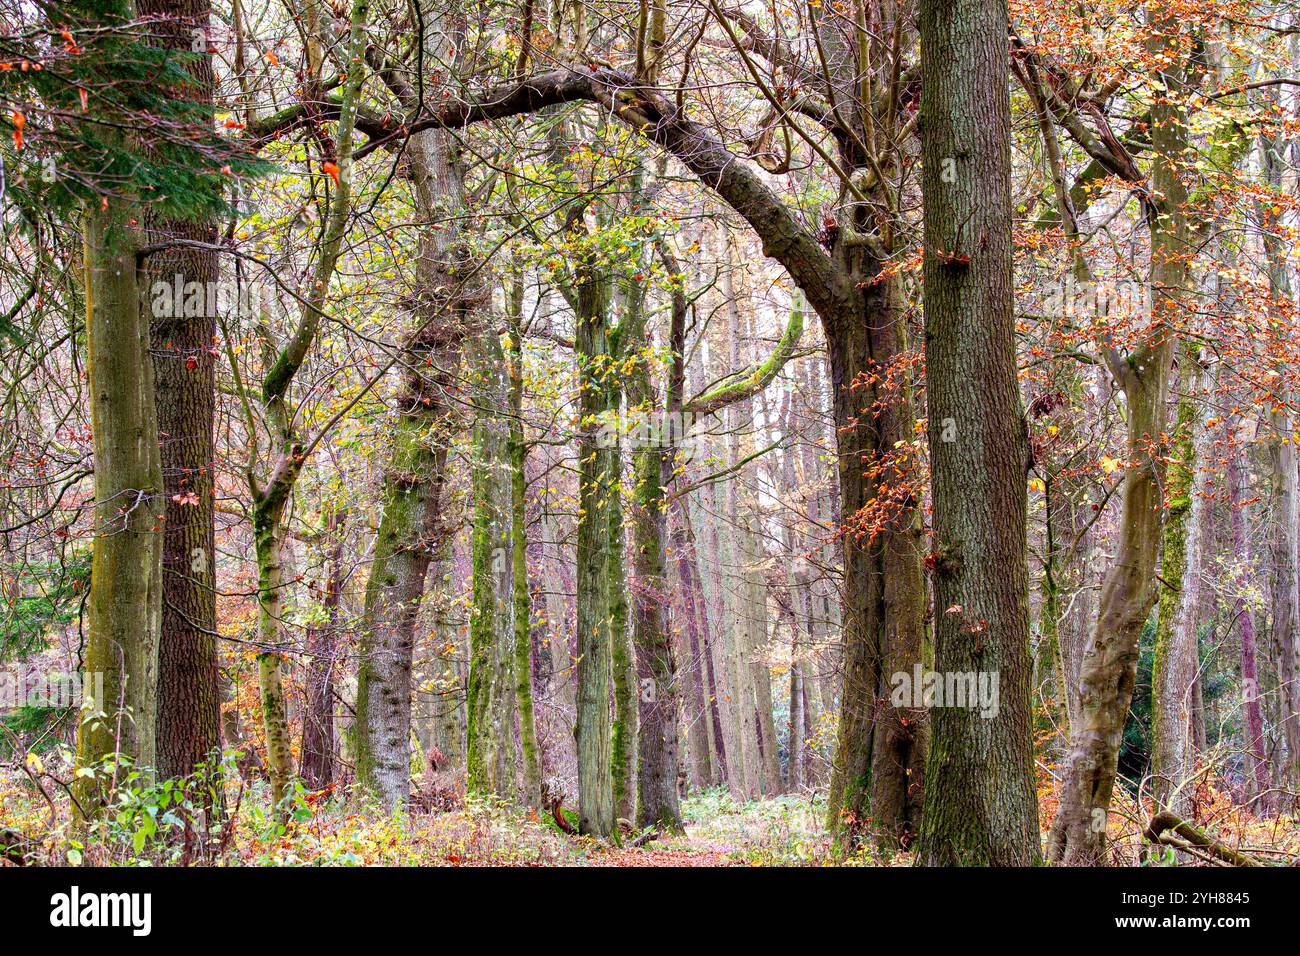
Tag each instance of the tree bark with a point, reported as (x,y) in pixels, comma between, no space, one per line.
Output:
(701,763)
(125,601)
(1258,781)
(446,294)
(1177,660)
(318,738)
(491,691)
(1284,530)
(981,807)
(598,483)
(189,730)
(521,604)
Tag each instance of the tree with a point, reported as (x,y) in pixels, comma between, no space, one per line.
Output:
(114,173)
(446,297)
(521,599)
(600,526)
(272,491)
(184,360)
(981,807)
(1110,660)
(490,729)
(1177,659)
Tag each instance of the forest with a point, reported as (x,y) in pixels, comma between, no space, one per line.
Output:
(649,433)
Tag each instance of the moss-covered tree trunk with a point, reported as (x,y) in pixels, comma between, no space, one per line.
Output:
(623,732)
(410,526)
(490,738)
(657,756)
(1176,662)
(272,493)
(521,603)
(598,486)
(447,666)
(125,601)
(268,536)
(658,695)
(410,497)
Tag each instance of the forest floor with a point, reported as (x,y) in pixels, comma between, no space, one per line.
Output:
(149,829)
(156,826)
(719,831)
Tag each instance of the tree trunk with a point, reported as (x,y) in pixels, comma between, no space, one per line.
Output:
(981,807)
(287,450)
(755,595)
(876,787)
(1284,530)
(598,483)
(446,294)
(318,760)
(1109,668)
(1258,782)
(403,550)
(189,730)
(268,536)
(521,598)
(1177,661)
(491,691)
(695,590)
(656,664)
(623,731)
(125,602)
(699,749)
